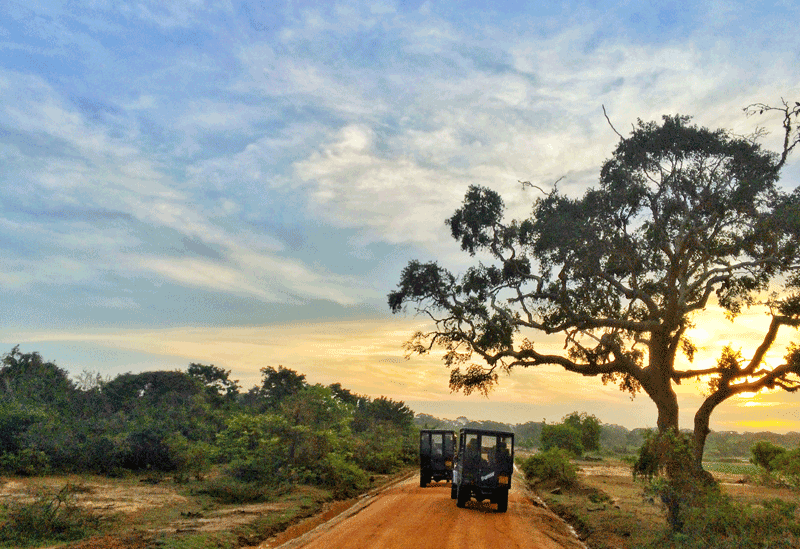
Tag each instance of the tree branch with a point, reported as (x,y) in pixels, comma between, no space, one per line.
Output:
(610,124)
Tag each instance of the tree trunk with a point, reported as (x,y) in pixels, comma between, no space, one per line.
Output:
(658,382)
(667,406)
(701,422)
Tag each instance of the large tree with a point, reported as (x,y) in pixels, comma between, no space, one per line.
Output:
(682,215)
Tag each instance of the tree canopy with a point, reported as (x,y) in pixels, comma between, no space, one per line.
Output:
(682,215)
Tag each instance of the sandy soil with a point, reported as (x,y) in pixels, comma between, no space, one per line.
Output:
(405,516)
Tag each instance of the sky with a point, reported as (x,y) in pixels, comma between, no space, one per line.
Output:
(241,183)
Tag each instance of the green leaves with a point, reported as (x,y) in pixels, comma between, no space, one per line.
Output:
(422,281)
(476,223)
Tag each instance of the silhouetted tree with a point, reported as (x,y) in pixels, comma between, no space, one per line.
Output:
(681,214)
(276,385)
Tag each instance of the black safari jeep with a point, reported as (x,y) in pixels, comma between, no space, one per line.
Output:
(436,450)
(483,467)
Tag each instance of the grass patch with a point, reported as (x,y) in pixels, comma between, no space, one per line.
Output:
(609,510)
(731,468)
(599,520)
(214,540)
(302,502)
(227,490)
(50,517)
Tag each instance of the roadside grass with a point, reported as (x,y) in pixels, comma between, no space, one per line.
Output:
(295,504)
(606,507)
(609,510)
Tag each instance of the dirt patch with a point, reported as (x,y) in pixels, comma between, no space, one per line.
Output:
(94,493)
(141,513)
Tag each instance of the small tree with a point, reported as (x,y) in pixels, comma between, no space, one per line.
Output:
(276,384)
(216,381)
(589,428)
(563,436)
(764,454)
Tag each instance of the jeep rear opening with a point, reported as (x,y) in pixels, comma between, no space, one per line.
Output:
(436,450)
(483,467)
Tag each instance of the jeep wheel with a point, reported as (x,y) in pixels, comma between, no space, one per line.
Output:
(502,501)
(463,496)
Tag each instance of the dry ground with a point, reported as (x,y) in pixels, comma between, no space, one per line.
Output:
(138,514)
(609,510)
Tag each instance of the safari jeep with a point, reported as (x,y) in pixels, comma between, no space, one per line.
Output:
(436,450)
(483,467)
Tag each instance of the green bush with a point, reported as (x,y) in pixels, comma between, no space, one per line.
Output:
(787,464)
(190,458)
(589,428)
(764,454)
(25,462)
(380,452)
(343,477)
(563,436)
(257,469)
(550,466)
(51,517)
(666,461)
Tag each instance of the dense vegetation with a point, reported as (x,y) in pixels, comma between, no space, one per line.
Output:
(621,441)
(182,423)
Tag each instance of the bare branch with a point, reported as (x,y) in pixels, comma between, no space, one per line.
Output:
(789,141)
(529,184)
(610,124)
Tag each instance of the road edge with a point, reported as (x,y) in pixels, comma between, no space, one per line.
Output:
(358,504)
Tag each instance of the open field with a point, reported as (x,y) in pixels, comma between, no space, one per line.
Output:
(609,510)
(136,512)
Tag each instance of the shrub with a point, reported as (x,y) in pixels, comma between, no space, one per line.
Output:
(147,450)
(25,462)
(379,452)
(189,458)
(550,466)
(787,463)
(764,454)
(344,478)
(53,517)
(257,469)
(666,461)
(589,428)
(563,436)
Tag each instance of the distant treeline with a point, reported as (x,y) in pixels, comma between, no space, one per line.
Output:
(615,439)
(184,422)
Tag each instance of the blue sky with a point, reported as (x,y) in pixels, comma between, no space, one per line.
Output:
(240,183)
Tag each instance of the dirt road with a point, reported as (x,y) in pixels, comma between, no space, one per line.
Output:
(405,516)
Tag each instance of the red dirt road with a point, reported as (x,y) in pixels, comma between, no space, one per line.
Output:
(405,516)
